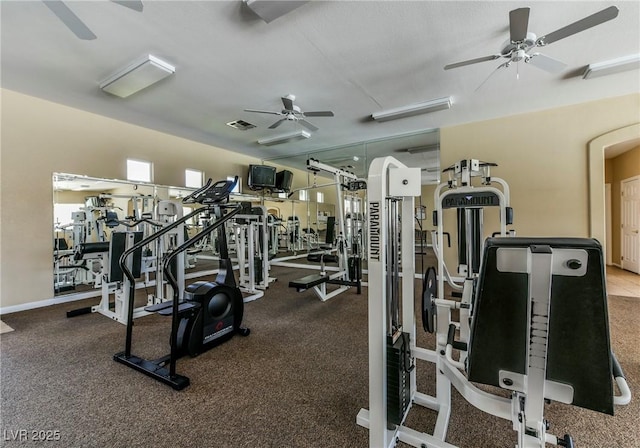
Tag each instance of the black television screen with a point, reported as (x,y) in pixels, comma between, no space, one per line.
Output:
(283,181)
(261,176)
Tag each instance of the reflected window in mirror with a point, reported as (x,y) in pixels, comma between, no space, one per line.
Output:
(193,178)
(139,170)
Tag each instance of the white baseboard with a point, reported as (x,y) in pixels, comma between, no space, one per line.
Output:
(85,295)
(42,303)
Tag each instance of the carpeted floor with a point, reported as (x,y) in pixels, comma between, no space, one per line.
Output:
(298,380)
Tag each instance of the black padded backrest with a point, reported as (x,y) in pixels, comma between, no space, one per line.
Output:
(116,249)
(579,352)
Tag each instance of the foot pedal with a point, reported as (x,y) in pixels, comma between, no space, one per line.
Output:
(158,306)
(182,308)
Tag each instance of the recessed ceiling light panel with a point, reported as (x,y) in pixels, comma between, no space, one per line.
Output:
(631,62)
(413,109)
(284,138)
(136,76)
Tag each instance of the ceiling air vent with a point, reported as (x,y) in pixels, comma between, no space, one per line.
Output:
(241,125)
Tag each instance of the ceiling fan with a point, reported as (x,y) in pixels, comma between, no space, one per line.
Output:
(292,112)
(76,25)
(521,42)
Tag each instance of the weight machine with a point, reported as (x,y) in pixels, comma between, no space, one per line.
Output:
(252,249)
(535,308)
(115,284)
(349,272)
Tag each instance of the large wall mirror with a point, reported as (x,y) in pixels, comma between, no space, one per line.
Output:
(89,210)
(417,149)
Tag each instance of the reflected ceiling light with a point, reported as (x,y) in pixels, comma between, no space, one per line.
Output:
(413,109)
(283,138)
(269,10)
(136,76)
(631,62)
(424,148)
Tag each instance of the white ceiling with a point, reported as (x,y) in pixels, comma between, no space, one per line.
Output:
(351,57)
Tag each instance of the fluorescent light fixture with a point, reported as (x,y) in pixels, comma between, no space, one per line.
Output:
(283,138)
(631,62)
(413,109)
(136,76)
(270,10)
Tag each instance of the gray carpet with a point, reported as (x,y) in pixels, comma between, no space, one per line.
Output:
(298,380)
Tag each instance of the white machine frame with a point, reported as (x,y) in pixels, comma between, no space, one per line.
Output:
(166,212)
(248,245)
(391,180)
(341,272)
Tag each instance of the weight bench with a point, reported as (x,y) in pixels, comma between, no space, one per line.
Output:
(540,329)
(319,281)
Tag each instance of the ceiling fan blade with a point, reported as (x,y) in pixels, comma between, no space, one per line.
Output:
(546,63)
(588,22)
(518,24)
(471,61)
(136,5)
(277,123)
(506,64)
(319,113)
(70,19)
(287,102)
(263,111)
(307,125)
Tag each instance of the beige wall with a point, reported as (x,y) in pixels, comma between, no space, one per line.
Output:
(623,167)
(544,158)
(39,138)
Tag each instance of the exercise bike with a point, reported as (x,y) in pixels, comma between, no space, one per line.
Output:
(209,313)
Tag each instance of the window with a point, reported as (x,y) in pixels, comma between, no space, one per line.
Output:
(138,170)
(236,189)
(319,197)
(62,212)
(304,195)
(193,178)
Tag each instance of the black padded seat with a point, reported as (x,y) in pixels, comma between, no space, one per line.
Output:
(308,281)
(579,352)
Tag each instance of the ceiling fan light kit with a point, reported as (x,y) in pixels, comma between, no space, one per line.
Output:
(618,65)
(292,112)
(136,76)
(284,138)
(517,48)
(412,109)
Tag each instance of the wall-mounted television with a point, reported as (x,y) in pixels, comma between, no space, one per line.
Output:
(283,181)
(261,176)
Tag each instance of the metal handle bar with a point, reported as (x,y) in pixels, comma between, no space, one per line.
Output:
(193,197)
